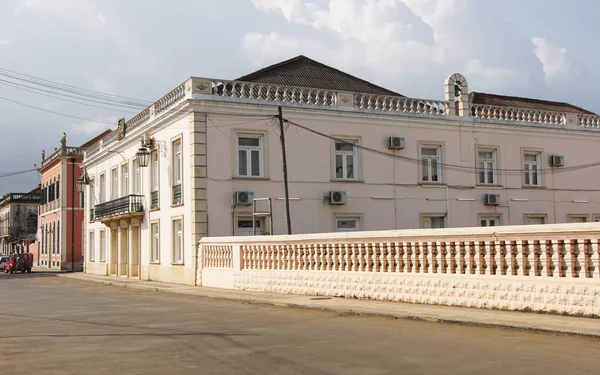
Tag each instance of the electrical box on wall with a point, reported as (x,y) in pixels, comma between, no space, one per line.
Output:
(396,143)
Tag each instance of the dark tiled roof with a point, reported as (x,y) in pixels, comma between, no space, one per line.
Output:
(517,102)
(304,72)
(95,139)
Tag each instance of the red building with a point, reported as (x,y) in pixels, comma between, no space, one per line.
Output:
(61,213)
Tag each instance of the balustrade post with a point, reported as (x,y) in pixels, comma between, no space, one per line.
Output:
(470,253)
(544,266)
(595,259)
(236,252)
(568,265)
(440,258)
(577,263)
(361,257)
(347,257)
(519,262)
(390,259)
(531,263)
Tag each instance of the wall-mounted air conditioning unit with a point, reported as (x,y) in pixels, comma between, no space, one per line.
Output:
(337,197)
(491,199)
(244,198)
(396,143)
(557,161)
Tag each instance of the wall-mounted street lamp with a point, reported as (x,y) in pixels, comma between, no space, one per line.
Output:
(83,181)
(143,154)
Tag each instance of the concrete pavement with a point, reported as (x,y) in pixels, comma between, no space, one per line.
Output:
(431,313)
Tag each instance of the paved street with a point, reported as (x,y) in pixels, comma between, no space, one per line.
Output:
(53,325)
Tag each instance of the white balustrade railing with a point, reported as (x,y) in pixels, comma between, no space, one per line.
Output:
(592,121)
(260,91)
(400,104)
(517,114)
(170,100)
(138,120)
(552,268)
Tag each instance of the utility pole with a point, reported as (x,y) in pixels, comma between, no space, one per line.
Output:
(72,214)
(285,175)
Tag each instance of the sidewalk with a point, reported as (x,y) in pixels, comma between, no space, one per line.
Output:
(431,313)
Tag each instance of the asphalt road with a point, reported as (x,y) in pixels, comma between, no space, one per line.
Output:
(53,325)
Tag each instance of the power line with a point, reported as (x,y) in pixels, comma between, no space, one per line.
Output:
(56,113)
(452,167)
(59,98)
(9,174)
(68,88)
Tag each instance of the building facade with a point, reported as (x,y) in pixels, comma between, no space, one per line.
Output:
(18,222)
(359,157)
(61,212)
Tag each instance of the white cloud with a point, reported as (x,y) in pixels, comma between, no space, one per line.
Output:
(553,58)
(101,18)
(4,42)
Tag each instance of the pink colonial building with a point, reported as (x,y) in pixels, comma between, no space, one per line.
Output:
(61,221)
(359,157)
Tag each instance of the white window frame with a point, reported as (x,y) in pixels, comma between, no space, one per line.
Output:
(125,179)
(92,246)
(177,245)
(571,217)
(489,165)
(155,242)
(155,177)
(248,151)
(114,184)
(488,218)
(177,175)
(526,217)
(358,220)
(344,154)
(596,218)
(527,168)
(428,159)
(137,178)
(425,220)
(103,245)
(102,197)
(260,222)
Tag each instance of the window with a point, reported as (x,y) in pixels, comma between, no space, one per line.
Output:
(103,246)
(125,180)
(92,247)
(57,190)
(487,170)
(137,178)
(577,218)
(433,221)
(177,241)
(431,163)
(489,220)
(250,156)
(535,219)
(531,168)
(154,179)
(114,187)
(177,172)
(345,156)
(245,228)
(347,223)
(596,218)
(155,243)
(102,197)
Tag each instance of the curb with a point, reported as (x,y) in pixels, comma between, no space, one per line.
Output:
(342,310)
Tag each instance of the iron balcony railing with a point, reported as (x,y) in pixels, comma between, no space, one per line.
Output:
(177,194)
(120,206)
(154,200)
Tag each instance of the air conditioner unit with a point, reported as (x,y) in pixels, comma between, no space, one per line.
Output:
(557,161)
(244,198)
(337,197)
(396,143)
(492,199)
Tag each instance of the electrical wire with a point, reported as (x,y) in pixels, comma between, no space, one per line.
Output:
(56,113)
(9,174)
(451,167)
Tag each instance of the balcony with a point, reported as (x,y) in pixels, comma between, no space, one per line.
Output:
(121,208)
(177,194)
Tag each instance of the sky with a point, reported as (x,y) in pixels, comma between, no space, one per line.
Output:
(143,49)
